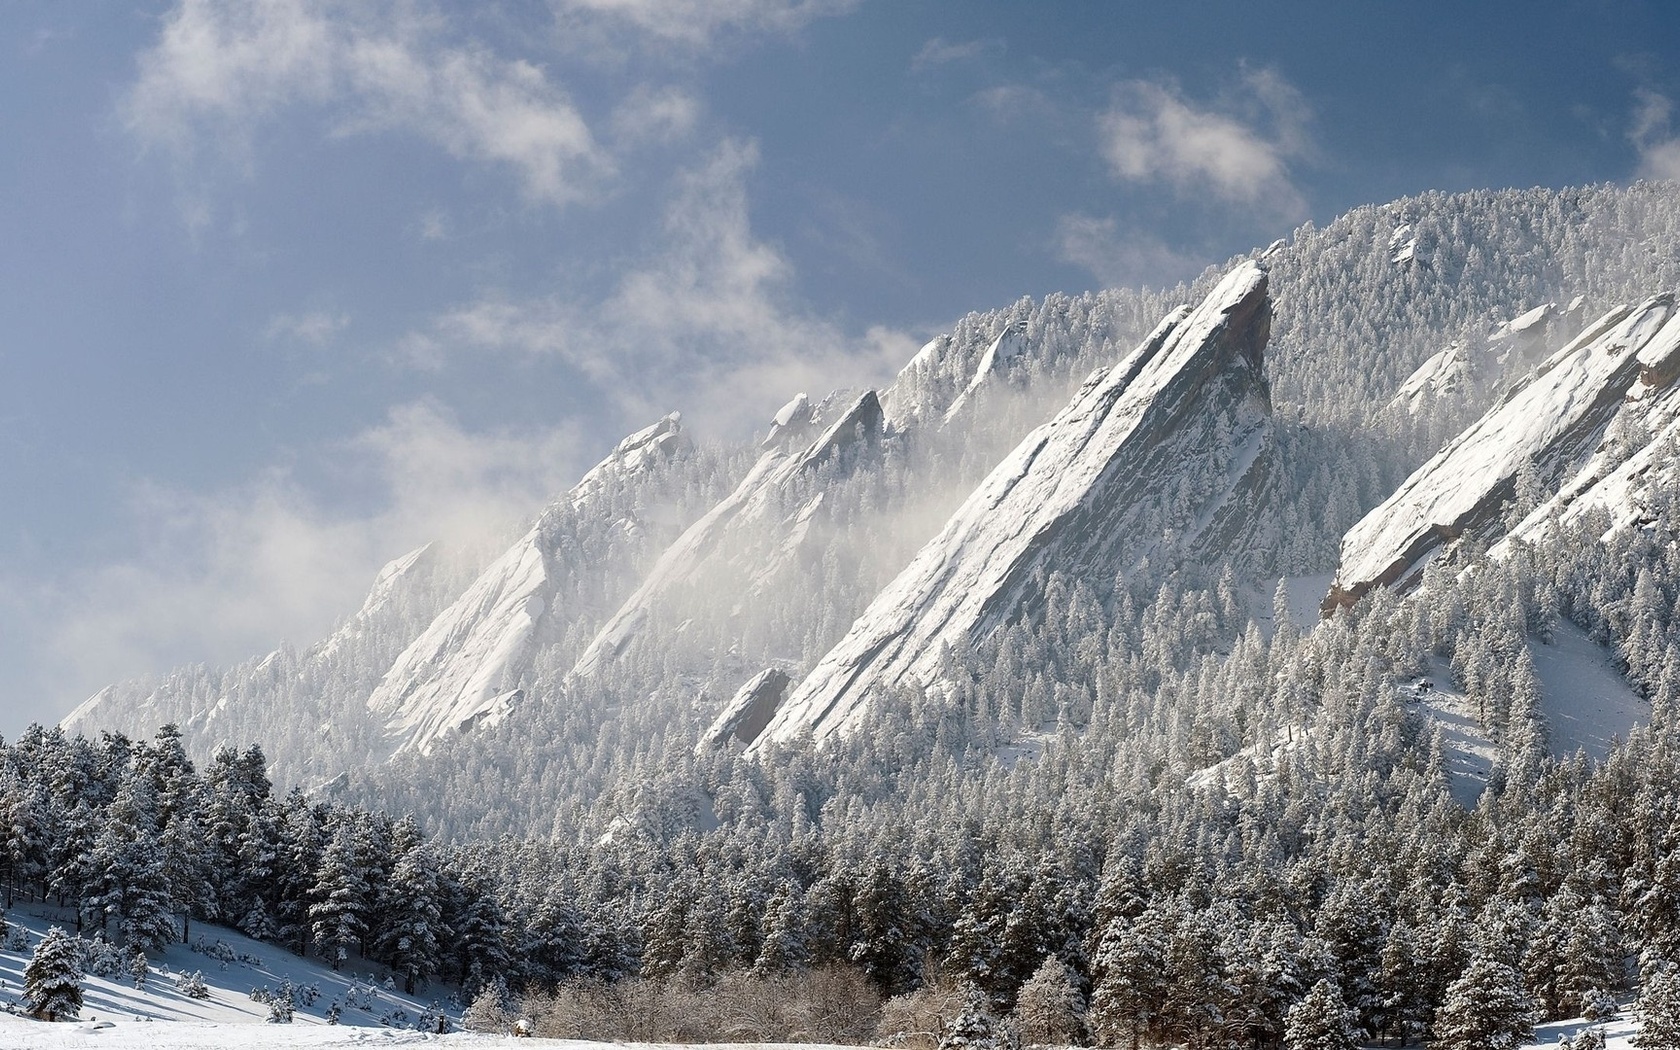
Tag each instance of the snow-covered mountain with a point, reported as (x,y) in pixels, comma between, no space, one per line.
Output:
(1169,449)
(850,428)
(469,665)
(1535,440)
(650,601)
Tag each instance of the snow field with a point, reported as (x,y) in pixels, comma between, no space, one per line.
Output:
(238,966)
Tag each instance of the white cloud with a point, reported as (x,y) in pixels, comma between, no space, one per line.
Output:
(1122,258)
(939,52)
(317,328)
(221,68)
(699,23)
(223,576)
(1239,152)
(657,115)
(1652,135)
(706,324)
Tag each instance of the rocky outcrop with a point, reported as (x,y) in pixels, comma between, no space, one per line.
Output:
(1170,448)
(723,534)
(466,669)
(1551,425)
(749,710)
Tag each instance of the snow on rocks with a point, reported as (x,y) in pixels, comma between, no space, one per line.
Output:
(1170,446)
(1552,421)
(749,710)
(1010,344)
(1403,245)
(1451,372)
(465,669)
(791,419)
(753,501)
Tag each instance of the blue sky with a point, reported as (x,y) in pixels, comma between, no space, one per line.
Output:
(287,289)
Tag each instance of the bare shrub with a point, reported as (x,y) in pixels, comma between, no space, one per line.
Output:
(917,1020)
(826,1005)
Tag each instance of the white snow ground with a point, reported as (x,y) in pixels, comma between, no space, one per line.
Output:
(1587,704)
(1618,1031)
(139,1016)
(1469,752)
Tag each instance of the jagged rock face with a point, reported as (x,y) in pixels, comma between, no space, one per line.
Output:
(749,710)
(1624,475)
(1169,449)
(1552,422)
(466,668)
(1010,344)
(719,540)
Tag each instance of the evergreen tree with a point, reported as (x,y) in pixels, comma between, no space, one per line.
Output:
(1322,1021)
(1659,1008)
(410,940)
(974,1027)
(341,896)
(1486,1008)
(52,980)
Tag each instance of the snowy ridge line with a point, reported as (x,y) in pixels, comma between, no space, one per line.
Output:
(752,499)
(1078,492)
(1551,423)
(465,669)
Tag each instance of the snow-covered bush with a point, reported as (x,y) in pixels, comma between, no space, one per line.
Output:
(101,958)
(916,1020)
(192,985)
(1049,1008)
(433,1019)
(1599,1005)
(488,1012)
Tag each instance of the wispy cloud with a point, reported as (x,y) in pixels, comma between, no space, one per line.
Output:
(706,324)
(1652,134)
(224,575)
(316,328)
(698,24)
(1239,151)
(1121,258)
(656,115)
(940,52)
(219,69)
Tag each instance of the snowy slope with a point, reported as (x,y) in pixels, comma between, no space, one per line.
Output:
(1586,701)
(1553,422)
(1627,471)
(1451,373)
(715,539)
(1004,350)
(1183,422)
(467,667)
(231,964)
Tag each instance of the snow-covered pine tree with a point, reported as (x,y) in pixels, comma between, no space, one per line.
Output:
(413,926)
(1322,1021)
(52,980)
(975,1027)
(1486,1008)
(1659,1009)
(1049,1008)
(341,895)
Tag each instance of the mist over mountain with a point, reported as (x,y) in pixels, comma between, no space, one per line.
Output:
(640,602)
(1316,615)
